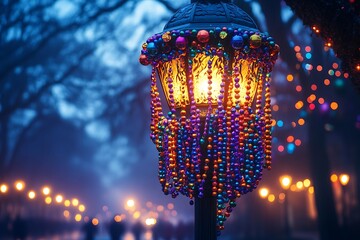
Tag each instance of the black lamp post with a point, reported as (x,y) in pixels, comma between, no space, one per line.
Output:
(213,66)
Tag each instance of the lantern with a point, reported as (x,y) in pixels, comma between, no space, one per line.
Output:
(213,66)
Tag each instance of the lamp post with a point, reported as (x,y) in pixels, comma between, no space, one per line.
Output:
(214,139)
(344,180)
(285,182)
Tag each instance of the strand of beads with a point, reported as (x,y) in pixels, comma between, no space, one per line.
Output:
(267,111)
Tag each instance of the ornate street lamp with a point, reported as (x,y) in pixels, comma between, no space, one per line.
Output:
(214,137)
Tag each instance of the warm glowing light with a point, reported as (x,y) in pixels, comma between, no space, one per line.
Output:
(301,121)
(290,78)
(313,87)
(282,196)
(4,188)
(299,104)
(297,49)
(160,208)
(31,194)
(150,221)
(271,198)
(298,88)
(78,217)
(95,221)
(263,192)
(297,142)
(19,185)
(344,179)
(311,190)
(67,203)
(59,198)
(170,206)
(321,100)
(130,203)
(311,98)
(308,49)
(48,200)
(307,182)
(117,218)
(75,202)
(333,178)
(46,190)
(285,181)
(319,68)
(81,208)
(358,67)
(337,73)
(334,105)
(299,185)
(66,213)
(275,107)
(136,215)
(247,72)
(293,188)
(290,139)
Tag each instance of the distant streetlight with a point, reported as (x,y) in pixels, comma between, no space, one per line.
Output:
(31,194)
(75,202)
(150,221)
(81,208)
(307,183)
(59,198)
(19,185)
(299,185)
(46,190)
(48,200)
(67,203)
(285,182)
(333,177)
(344,179)
(263,192)
(78,217)
(4,188)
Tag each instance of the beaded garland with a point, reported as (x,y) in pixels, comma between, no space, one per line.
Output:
(227,141)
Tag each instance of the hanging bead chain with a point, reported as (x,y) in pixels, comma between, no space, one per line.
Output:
(267,111)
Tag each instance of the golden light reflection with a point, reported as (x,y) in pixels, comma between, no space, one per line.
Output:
(67,203)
